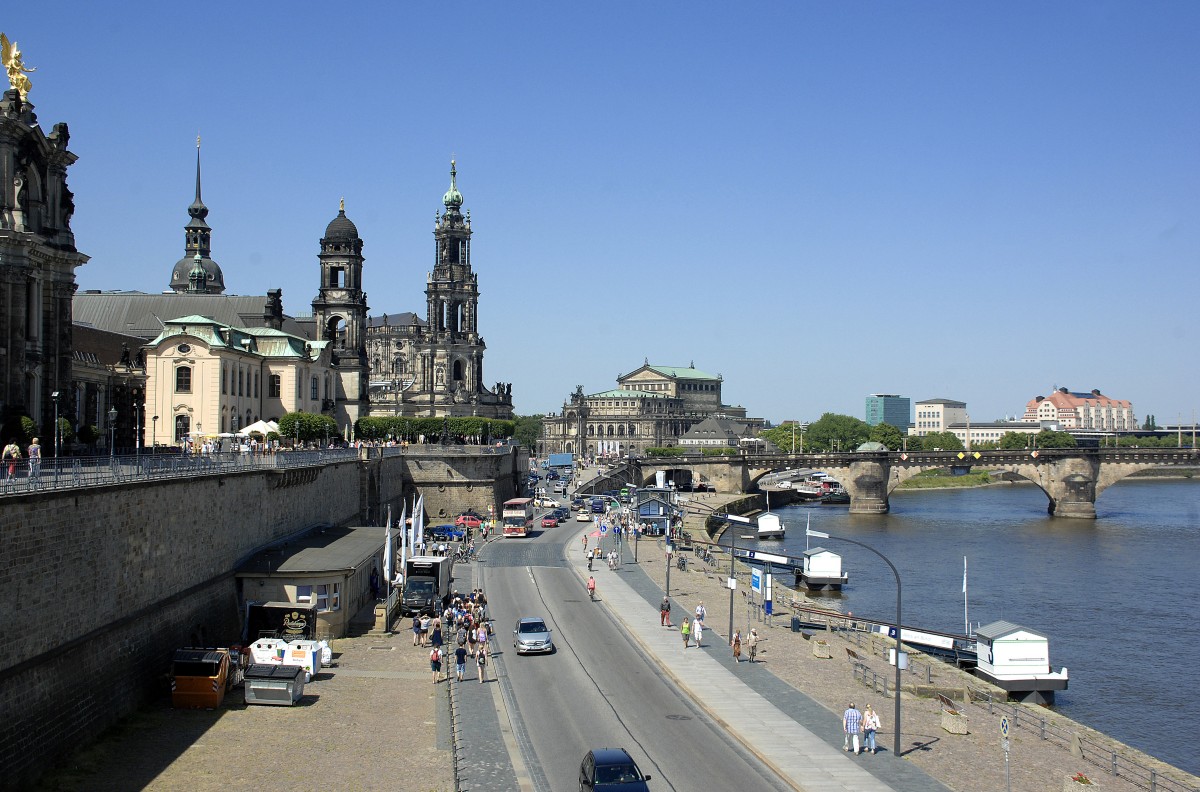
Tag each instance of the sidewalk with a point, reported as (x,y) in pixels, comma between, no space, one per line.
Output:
(752,704)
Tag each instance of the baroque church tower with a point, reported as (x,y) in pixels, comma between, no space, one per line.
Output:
(340,315)
(196,272)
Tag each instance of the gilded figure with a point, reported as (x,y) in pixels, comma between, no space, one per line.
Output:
(10,56)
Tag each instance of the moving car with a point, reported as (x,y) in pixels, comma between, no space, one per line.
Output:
(583,517)
(532,635)
(549,521)
(605,769)
(446,533)
(561,513)
(547,503)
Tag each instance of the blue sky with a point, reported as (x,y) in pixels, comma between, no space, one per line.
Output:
(818,201)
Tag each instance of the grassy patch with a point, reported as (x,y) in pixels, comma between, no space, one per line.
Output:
(931,479)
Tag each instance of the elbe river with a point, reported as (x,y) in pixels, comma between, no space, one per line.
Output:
(1118,597)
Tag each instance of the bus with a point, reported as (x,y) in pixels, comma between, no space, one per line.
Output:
(517,516)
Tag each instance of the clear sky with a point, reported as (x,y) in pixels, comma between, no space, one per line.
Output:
(816,200)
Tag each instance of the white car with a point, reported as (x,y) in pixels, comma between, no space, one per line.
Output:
(547,503)
(583,517)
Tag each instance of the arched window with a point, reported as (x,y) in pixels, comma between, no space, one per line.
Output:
(315,389)
(457,371)
(591,431)
(610,430)
(248,421)
(621,430)
(183,379)
(183,427)
(256,377)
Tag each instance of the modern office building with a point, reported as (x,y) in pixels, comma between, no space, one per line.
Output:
(890,409)
(937,415)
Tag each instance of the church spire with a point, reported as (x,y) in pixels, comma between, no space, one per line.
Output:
(198,210)
(197,244)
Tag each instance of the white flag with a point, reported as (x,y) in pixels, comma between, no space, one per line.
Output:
(387,548)
(419,520)
(403,525)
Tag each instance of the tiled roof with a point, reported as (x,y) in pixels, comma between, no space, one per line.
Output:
(679,372)
(405,319)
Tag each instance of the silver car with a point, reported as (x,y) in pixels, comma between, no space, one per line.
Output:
(532,635)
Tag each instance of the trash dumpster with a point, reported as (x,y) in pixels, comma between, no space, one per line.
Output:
(199,678)
(795,624)
(277,685)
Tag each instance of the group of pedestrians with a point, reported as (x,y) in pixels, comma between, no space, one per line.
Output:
(467,617)
(12,457)
(854,722)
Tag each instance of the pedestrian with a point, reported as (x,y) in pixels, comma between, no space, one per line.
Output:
(460,637)
(460,661)
(435,663)
(482,654)
(12,455)
(870,726)
(851,725)
(435,635)
(374,581)
(753,640)
(698,631)
(424,629)
(664,612)
(685,630)
(35,460)
(737,646)
(701,613)
(416,628)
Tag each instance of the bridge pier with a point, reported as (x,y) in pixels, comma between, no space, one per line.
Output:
(867,484)
(1073,493)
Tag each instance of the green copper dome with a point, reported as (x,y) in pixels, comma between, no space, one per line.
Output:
(453,198)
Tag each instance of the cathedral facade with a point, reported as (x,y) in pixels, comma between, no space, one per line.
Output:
(37,265)
(433,367)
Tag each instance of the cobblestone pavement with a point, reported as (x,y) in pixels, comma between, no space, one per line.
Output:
(966,763)
(375,721)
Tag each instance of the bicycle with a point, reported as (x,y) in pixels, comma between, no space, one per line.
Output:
(591,589)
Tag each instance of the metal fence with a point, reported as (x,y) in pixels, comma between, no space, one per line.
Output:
(1103,755)
(78,472)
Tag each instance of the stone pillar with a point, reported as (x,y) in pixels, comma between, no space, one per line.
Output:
(1072,487)
(866,480)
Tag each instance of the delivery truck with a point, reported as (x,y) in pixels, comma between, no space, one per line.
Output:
(426,585)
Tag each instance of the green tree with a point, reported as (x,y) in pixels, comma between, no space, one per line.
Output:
(781,436)
(527,431)
(66,432)
(946,441)
(833,431)
(1014,441)
(308,426)
(1048,438)
(887,434)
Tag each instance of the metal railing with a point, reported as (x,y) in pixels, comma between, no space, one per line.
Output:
(79,472)
(1101,754)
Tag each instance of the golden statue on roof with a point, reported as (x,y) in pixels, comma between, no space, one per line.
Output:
(10,56)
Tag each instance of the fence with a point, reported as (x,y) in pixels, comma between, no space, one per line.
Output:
(1103,755)
(79,472)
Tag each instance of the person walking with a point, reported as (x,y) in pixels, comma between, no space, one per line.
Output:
(482,654)
(870,726)
(460,661)
(424,629)
(664,612)
(12,455)
(697,631)
(737,646)
(435,635)
(416,629)
(701,613)
(851,725)
(35,460)
(753,641)
(685,630)
(435,663)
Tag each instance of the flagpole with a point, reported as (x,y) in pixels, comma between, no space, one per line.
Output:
(966,619)
(387,552)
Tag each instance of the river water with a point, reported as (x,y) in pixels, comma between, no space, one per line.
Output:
(1116,596)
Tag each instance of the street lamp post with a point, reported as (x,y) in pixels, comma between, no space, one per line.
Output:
(153,433)
(822,535)
(137,433)
(112,431)
(57,433)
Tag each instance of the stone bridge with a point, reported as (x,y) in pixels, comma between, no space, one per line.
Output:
(1072,478)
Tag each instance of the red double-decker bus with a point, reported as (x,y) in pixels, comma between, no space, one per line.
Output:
(517,516)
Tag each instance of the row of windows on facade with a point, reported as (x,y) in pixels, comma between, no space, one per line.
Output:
(328,596)
(621,431)
(687,386)
(183,384)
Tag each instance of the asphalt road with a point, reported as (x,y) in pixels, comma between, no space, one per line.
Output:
(597,690)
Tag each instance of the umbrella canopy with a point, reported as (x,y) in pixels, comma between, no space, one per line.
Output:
(261,427)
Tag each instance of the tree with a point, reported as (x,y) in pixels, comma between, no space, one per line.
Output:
(889,435)
(1048,438)
(307,426)
(945,441)
(527,431)
(1014,441)
(781,437)
(836,432)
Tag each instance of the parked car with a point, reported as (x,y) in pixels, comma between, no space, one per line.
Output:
(532,635)
(468,520)
(604,769)
(549,521)
(583,517)
(446,533)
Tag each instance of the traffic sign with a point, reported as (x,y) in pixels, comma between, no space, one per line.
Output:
(1004,744)
(1004,726)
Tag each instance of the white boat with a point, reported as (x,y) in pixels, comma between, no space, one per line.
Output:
(767,526)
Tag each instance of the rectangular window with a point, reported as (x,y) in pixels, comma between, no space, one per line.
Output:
(315,394)
(241,389)
(304,594)
(275,386)
(183,379)
(223,377)
(322,598)
(335,599)
(256,384)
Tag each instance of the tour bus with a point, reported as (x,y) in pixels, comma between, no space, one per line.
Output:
(517,516)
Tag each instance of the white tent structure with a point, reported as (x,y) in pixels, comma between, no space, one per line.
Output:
(261,427)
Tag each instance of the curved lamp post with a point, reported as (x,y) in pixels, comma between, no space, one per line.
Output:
(822,535)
